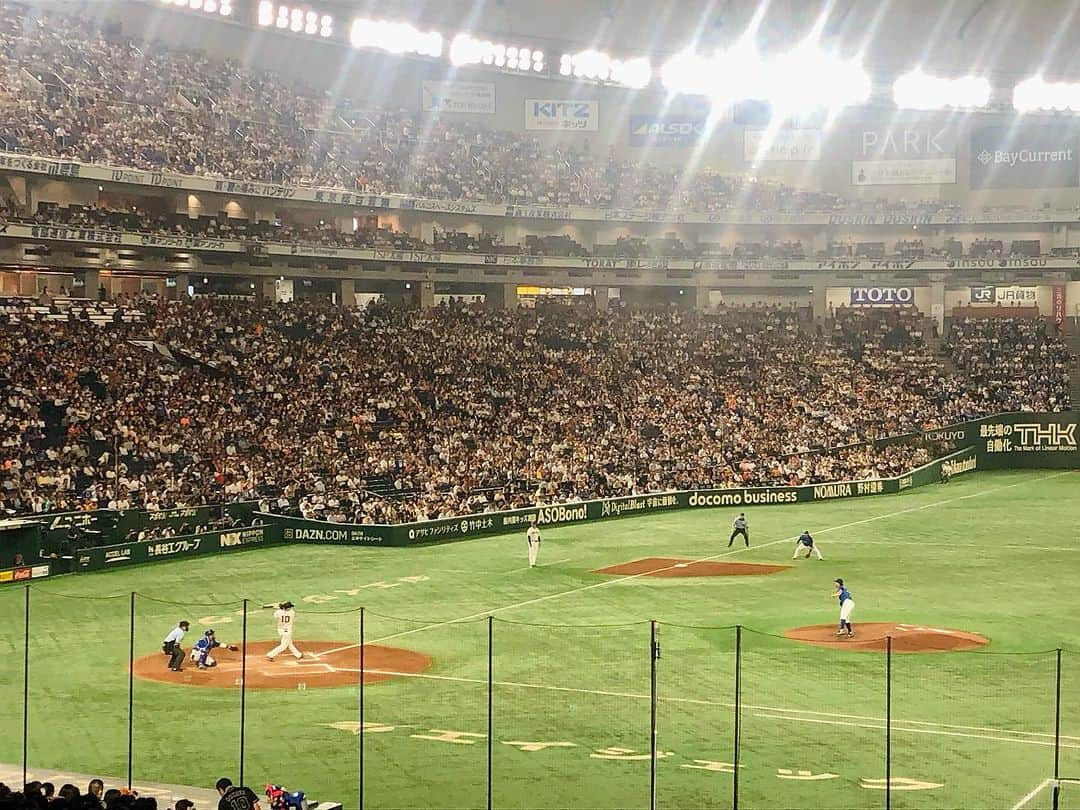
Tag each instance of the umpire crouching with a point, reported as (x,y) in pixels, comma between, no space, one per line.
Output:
(171,646)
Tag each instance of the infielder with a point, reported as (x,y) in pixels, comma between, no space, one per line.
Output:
(739,526)
(805,541)
(203,650)
(532,537)
(847,604)
(285,618)
(171,646)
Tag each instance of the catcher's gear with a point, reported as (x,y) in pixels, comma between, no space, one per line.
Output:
(233,647)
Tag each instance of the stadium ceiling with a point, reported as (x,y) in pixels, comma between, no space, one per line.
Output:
(990,37)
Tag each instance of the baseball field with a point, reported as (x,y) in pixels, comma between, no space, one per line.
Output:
(544,681)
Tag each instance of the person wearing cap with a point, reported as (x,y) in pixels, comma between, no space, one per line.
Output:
(847,605)
(285,618)
(171,646)
(204,648)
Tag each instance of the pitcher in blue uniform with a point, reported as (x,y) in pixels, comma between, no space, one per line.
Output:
(847,604)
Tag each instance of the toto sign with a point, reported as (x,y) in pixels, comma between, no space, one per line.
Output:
(882,296)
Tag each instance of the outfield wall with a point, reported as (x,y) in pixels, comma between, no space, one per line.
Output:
(1006,441)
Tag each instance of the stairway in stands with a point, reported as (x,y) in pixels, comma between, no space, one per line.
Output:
(1073,342)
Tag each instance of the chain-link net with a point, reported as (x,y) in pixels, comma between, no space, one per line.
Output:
(78,701)
(302,675)
(571,716)
(424,713)
(812,724)
(12,651)
(695,716)
(186,728)
(971,727)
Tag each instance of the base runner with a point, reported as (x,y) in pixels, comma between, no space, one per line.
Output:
(532,537)
(285,618)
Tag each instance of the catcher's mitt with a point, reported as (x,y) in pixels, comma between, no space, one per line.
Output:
(233,648)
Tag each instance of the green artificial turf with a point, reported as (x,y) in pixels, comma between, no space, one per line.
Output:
(994,553)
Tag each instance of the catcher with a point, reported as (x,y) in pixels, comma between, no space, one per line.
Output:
(204,648)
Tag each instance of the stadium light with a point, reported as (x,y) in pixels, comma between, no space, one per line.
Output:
(467,50)
(599,66)
(1038,94)
(395,37)
(298,19)
(801,79)
(918,91)
(221,7)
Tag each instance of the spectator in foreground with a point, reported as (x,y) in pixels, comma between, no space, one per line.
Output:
(235,797)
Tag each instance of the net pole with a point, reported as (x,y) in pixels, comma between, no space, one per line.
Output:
(26,685)
(490,702)
(243,687)
(360,720)
(1057,733)
(888,722)
(652,714)
(131,689)
(738,713)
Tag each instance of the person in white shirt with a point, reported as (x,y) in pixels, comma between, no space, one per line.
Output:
(285,618)
(171,646)
(532,537)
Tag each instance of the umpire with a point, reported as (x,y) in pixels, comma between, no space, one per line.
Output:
(739,526)
(171,646)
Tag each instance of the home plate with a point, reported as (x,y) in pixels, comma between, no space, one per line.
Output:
(681,565)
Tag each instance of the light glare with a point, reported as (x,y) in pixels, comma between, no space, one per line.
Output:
(1038,94)
(918,91)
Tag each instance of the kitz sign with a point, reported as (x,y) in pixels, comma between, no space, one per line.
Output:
(562,114)
(651,130)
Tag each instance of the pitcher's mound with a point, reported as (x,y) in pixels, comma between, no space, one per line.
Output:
(906,638)
(674,567)
(325,663)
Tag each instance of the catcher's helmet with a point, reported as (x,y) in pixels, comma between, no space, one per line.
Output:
(209,632)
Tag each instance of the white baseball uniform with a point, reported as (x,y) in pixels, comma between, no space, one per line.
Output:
(285,618)
(532,536)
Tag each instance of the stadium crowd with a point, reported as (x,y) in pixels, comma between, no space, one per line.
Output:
(387,415)
(37,795)
(82,93)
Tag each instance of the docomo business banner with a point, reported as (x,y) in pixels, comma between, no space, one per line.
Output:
(938,171)
(762,145)
(1025,157)
(882,297)
(666,130)
(477,98)
(555,114)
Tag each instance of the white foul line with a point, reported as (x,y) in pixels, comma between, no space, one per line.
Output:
(1038,789)
(628,577)
(773,712)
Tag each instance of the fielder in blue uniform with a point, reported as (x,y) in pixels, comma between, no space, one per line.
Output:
(847,605)
(806,543)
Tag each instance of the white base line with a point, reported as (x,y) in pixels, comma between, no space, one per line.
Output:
(628,577)
(937,545)
(1038,789)
(767,711)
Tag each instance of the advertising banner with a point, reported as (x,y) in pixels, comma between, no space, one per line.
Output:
(938,171)
(1025,157)
(24,573)
(993,295)
(760,145)
(1015,440)
(123,554)
(562,115)
(477,98)
(666,130)
(907,141)
(1058,304)
(882,296)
